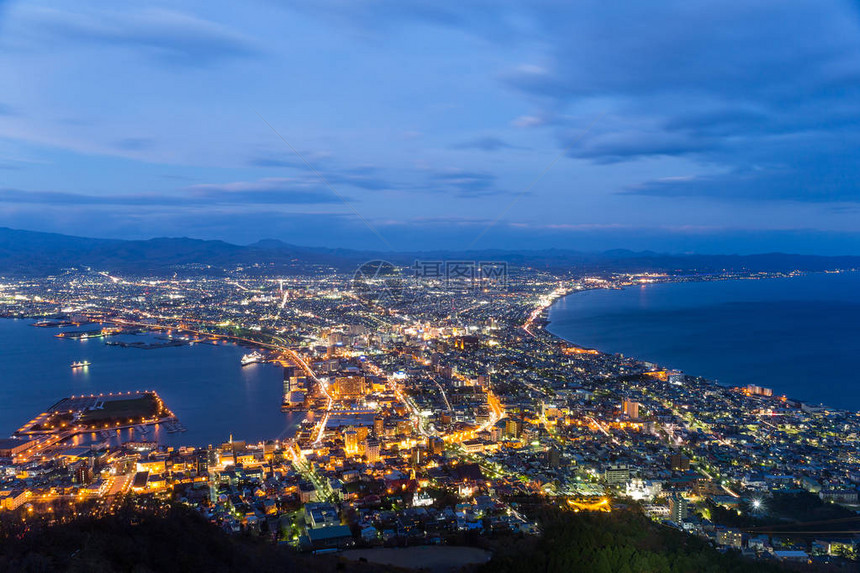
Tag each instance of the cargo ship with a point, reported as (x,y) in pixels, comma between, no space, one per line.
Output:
(82,364)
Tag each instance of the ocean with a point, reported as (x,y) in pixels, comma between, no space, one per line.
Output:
(799,335)
(204,384)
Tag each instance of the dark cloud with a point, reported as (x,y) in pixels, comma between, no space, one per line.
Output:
(810,167)
(767,90)
(617,146)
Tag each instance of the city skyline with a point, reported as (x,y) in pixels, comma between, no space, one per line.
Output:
(676,128)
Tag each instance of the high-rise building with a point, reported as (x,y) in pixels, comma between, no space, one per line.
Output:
(363,432)
(371,450)
(630,409)
(513,427)
(350,440)
(677,508)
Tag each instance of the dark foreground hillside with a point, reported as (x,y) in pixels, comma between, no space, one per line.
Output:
(179,540)
(618,542)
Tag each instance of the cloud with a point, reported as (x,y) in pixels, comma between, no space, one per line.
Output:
(821,177)
(733,86)
(526,121)
(167,35)
(768,91)
(135,143)
(270,191)
(464,183)
(490,18)
(272,161)
(485,143)
(365,177)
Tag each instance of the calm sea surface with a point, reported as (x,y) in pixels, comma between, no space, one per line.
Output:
(799,336)
(204,385)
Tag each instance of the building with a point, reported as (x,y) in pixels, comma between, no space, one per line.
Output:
(349,387)
(319,515)
(639,489)
(513,427)
(758,390)
(14,499)
(289,373)
(730,538)
(847,496)
(616,474)
(553,457)
(350,441)
(333,536)
(466,343)
(10,447)
(404,427)
(371,450)
(677,508)
(630,409)
(680,463)
(436,445)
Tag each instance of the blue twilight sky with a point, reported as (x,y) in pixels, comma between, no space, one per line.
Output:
(673,125)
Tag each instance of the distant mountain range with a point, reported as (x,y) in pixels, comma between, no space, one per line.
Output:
(39,254)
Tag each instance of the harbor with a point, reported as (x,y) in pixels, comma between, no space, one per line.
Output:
(203,383)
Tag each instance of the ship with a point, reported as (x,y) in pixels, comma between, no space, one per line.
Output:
(82,364)
(252,358)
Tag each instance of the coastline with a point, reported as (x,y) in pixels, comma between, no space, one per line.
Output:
(544,322)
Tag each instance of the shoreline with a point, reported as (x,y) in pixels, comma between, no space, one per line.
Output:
(542,321)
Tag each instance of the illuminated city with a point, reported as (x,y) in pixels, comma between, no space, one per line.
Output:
(469,286)
(421,418)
